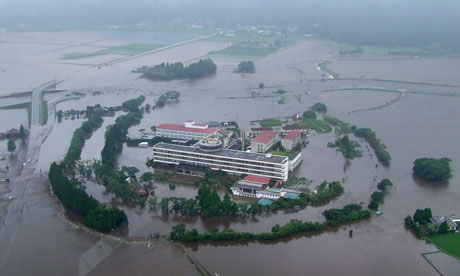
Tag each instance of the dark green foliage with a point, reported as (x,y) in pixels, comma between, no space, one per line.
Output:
(147,176)
(105,218)
(99,217)
(309,114)
(11,145)
(432,169)
(443,228)
(179,232)
(22,132)
(348,213)
(373,205)
(377,196)
(261,85)
(78,139)
(319,107)
(347,147)
(133,104)
(416,229)
(169,71)
(422,216)
(246,67)
(170,96)
(370,137)
(209,201)
(384,184)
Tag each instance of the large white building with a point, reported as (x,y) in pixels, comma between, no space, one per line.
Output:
(189,130)
(291,140)
(210,155)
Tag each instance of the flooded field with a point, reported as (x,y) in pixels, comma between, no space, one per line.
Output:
(415,126)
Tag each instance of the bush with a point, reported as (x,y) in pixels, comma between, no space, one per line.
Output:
(319,107)
(309,114)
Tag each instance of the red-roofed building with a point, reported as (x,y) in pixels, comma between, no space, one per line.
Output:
(190,130)
(291,140)
(264,141)
(257,130)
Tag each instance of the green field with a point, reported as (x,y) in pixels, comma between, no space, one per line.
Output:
(126,50)
(270,122)
(449,243)
(245,49)
(317,125)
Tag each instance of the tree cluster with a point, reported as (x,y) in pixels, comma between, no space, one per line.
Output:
(309,114)
(378,196)
(133,104)
(169,71)
(433,169)
(347,214)
(246,67)
(347,147)
(319,107)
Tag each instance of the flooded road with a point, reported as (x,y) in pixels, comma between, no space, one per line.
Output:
(415,126)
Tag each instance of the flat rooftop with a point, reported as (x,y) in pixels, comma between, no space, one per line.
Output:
(210,130)
(226,153)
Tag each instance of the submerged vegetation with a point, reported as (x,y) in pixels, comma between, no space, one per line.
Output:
(347,147)
(333,217)
(246,67)
(169,71)
(380,149)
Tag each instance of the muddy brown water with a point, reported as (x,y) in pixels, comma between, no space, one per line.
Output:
(414,127)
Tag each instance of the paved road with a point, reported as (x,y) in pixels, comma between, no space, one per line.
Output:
(37,97)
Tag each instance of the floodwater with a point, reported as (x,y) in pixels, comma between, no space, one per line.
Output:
(416,126)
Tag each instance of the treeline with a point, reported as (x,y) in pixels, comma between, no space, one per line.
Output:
(380,149)
(418,223)
(433,169)
(169,71)
(78,140)
(334,217)
(133,104)
(97,216)
(326,192)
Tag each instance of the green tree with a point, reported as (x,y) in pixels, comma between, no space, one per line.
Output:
(309,114)
(422,216)
(443,228)
(319,107)
(147,177)
(22,133)
(11,146)
(373,205)
(153,203)
(382,186)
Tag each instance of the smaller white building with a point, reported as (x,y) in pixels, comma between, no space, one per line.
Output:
(264,141)
(291,140)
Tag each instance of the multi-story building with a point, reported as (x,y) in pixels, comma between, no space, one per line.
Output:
(190,130)
(210,155)
(264,141)
(291,140)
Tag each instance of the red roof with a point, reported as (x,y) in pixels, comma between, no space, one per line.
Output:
(257,179)
(292,135)
(210,130)
(264,137)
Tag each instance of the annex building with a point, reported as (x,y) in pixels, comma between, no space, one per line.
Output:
(188,131)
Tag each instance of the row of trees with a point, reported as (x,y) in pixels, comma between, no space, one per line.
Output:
(333,217)
(97,216)
(78,140)
(378,196)
(169,71)
(380,149)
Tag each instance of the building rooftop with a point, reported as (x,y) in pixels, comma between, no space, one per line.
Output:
(257,179)
(292,135)
(227,153)
(264,137)
(209,130)
(265,202)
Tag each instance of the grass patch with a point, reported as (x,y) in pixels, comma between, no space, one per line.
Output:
(269,122)
(317,125)
(246,49)
(126,50)
(281,153)
(449,243)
